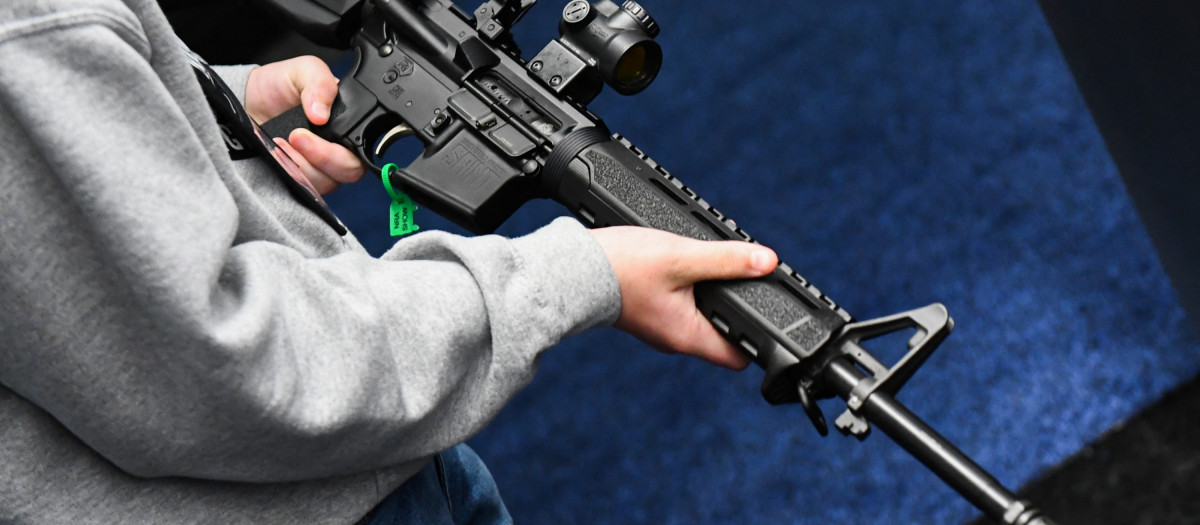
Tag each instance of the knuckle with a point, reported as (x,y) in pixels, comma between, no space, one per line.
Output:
(310,62)
(683,340)
(321,157)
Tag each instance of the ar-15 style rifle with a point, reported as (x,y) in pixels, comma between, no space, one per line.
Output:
(499,130)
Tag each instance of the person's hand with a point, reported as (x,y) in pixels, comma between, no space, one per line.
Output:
(307,81)
(656,271)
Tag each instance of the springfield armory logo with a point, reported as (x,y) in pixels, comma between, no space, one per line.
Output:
(466,160)
(403,68)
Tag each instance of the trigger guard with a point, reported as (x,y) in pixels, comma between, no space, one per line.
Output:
(374,134)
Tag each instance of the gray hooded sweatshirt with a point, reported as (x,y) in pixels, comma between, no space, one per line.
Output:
(182,342)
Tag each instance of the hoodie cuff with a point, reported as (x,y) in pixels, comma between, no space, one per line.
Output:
(236,77)
(567,259)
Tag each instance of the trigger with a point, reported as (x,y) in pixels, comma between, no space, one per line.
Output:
(392,135)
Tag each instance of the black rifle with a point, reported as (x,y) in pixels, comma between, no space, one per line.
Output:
(499,130)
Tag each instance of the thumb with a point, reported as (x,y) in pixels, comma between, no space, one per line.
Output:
(708,260)
(317,86)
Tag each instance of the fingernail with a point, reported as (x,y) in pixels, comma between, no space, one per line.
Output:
(762,260)
(299,140)
(320,110)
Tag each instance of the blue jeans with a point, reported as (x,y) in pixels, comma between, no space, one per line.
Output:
(453,489)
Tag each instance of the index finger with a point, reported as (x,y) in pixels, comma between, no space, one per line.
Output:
(712,260)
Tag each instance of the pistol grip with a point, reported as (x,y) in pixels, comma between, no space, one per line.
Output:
(346,121)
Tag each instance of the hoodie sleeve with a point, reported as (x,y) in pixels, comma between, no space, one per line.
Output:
(172,322)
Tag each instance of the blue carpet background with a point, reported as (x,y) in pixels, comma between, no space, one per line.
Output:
(896,154)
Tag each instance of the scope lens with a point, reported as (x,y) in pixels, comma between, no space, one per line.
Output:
(631,69)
